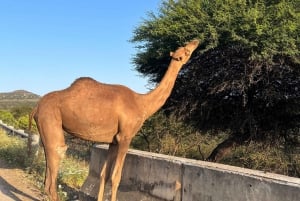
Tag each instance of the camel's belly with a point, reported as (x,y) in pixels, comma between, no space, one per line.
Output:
(94,129)
(90,117)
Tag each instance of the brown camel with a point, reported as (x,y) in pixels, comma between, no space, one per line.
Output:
(102,113)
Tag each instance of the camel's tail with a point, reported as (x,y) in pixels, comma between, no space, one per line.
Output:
(33,140)
(30,118)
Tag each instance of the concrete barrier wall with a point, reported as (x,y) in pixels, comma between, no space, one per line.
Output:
(179,179)
(11,130)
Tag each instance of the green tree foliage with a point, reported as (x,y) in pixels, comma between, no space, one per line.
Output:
(244,77)
(21,111)
(266,28)
(7,117)
(18,117)
(23,122)
(21,115)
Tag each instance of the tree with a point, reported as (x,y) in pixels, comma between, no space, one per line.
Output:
(165,135)
(20,111)
(7,117)
(23,122)
(245,77)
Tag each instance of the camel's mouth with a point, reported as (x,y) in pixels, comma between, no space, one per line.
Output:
(192,45)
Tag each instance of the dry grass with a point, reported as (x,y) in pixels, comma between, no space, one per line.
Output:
(270,158)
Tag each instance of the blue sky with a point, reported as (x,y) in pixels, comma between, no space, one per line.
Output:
(46,45)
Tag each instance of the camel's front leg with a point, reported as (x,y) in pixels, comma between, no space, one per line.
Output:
(106,169)
(118,166)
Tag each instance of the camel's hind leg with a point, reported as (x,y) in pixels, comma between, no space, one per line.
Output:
(53,157)
(118,166)
(55,148)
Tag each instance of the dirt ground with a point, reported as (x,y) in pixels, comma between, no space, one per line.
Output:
(16,186)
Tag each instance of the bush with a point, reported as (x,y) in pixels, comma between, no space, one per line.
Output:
(7,117)
(12,149)
(166,135)
(270,158)
(73,172)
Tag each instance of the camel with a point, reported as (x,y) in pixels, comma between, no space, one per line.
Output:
(103,113)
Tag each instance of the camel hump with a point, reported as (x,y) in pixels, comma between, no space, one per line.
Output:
(89,84)
(83,80)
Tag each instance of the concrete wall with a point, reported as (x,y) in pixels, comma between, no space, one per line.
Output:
(11,130)
(179,179)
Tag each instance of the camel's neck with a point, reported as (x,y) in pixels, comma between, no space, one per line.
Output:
(155,99)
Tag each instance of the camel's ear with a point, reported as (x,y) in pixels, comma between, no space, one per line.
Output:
(171,53)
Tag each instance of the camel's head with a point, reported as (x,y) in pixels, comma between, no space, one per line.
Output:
(183,54)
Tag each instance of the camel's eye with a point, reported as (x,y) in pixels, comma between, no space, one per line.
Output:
(177,58)
(187,52)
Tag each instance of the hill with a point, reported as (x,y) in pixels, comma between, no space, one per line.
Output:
(18,98)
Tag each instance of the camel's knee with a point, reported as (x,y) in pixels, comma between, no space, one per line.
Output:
(61,151)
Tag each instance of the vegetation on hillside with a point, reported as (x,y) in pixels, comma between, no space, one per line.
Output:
(16,106)
(18,95)
(17,99)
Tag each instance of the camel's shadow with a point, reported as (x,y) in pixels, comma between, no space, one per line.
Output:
(10,191)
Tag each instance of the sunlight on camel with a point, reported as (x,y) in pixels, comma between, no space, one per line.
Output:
(100,112)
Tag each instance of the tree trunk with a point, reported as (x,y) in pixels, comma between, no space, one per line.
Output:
(226,146)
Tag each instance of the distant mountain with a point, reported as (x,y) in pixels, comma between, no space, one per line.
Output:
(18,94)
(18,98)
